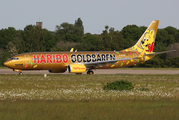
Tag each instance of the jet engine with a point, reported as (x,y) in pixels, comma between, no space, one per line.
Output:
(57,71)
(76,68)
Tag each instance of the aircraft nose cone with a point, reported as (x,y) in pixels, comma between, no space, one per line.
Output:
(7,64)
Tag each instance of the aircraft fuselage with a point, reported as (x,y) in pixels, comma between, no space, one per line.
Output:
(59,60)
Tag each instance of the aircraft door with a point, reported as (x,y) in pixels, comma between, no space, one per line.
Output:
(27,59)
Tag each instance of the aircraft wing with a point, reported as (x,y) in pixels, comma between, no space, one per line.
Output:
(103,63)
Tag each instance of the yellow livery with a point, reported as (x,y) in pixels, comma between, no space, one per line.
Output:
(80,62)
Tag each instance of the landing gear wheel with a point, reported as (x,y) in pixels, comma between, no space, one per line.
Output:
(90,72)
(20,73)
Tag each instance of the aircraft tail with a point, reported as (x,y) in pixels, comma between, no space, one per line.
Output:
(147,40)
(145,44)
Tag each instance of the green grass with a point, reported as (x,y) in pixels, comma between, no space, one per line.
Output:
(4,68)
(149,68)
(89,110)
(82,97)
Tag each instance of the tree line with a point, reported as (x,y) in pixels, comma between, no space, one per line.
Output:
(35,39)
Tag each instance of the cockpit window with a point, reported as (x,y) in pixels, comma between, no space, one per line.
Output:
(14,58)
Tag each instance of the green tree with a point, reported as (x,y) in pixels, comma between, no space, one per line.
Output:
(7,35)
(73,38)
(79,24)
(131,34)
(171,30)
(89,42)
(177,37)
(18,41)
(143,28)
(12,49)
(8,52)
(49,40)
(34,39)
(66,31)
(112,40)
(163,38)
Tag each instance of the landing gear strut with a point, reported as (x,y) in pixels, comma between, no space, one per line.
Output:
(90,72)
(20,73)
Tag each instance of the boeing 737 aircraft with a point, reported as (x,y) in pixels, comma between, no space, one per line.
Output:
(80,62)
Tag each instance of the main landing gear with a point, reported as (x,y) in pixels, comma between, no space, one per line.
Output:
(90,72)
(16,70)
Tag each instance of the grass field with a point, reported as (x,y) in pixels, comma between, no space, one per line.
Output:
(4,68)
(82,97)
(149,68)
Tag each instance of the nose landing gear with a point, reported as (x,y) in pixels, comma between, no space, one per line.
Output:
(16,70)
(20,73)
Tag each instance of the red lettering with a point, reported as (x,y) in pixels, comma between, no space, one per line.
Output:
(36,59)
(53,58)
(49,58)
(58,57)
(42,59)
(150,48)
(65,58)
(78,68)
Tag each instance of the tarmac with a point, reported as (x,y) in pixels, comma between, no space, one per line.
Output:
(97,71)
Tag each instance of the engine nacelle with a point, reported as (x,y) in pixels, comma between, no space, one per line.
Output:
(76,68)
(57,71)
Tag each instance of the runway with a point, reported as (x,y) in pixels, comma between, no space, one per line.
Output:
(98,71)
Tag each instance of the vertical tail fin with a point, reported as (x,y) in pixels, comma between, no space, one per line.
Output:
(147,40)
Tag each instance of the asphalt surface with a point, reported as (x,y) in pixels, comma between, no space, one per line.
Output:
(98,71)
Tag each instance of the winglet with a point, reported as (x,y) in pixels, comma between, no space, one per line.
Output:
(71,50)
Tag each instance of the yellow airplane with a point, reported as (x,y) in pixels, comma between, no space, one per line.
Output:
(80,62)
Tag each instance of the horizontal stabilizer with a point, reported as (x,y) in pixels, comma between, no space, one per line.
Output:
(156,53)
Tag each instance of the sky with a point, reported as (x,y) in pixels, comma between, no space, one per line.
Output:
(95,14)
